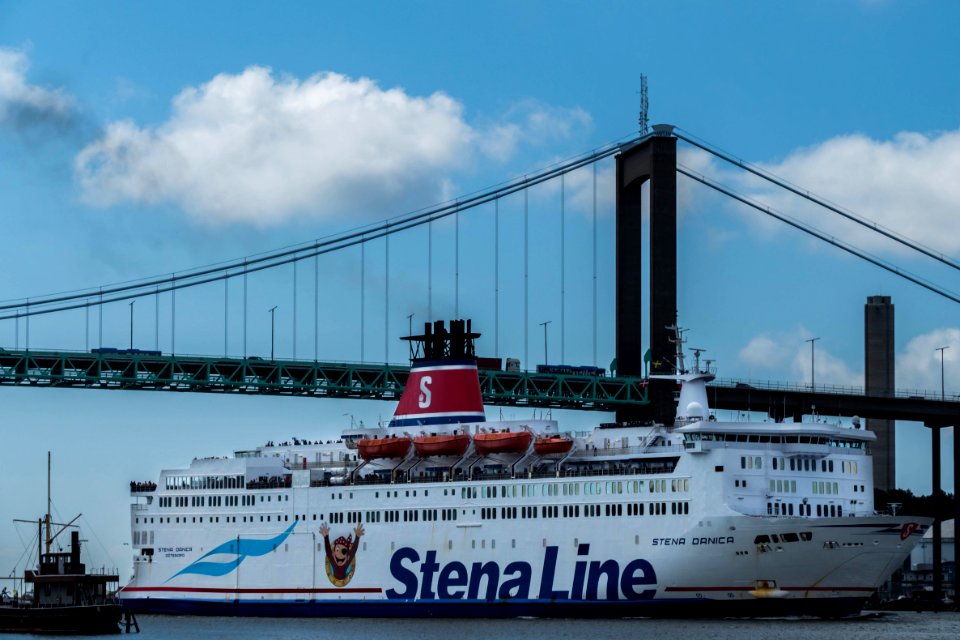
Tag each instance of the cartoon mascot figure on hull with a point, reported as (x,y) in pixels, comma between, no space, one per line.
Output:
(341,555)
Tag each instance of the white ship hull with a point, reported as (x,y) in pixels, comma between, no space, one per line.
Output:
(582,565)
(703,518)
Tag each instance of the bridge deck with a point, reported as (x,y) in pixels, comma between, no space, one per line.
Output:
(297,377)
(386,382)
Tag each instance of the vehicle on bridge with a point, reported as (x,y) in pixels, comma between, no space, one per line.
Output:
(571,370)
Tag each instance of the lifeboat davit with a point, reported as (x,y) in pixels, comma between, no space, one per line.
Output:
(547,445)
(502,442)
(449,444)
(390,447)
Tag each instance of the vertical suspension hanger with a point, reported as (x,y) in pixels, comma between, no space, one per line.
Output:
(294,344)
(496,277)
(386,295)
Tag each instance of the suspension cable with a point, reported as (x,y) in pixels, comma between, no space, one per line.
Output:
(273,259)
(793,222)
(812,197)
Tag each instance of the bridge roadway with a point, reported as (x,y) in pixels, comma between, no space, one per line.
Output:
(385,382)
(299,377)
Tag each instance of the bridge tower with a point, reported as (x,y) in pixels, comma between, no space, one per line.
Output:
(654,160)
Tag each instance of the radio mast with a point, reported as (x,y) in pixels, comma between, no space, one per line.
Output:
(644,119)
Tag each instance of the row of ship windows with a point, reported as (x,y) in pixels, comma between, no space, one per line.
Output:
(798,464)
(589,510)
(740,437)
(445,515)
(784,486)
(803,509)
(805,536)
(210,519)
(394,515)
(818,486)
(216,501)
(672,485)
(186,483)
(610,487)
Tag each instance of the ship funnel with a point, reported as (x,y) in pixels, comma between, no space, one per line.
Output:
(443,387)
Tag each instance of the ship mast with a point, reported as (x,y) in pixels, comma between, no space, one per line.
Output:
(49,538)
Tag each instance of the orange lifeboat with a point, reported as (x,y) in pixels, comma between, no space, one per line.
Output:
(450,444)
(502,442)
(389,447)
(546,445)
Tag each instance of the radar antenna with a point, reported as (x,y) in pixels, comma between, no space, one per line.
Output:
(696,358)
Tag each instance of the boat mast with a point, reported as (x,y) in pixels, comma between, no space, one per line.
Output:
(48,503)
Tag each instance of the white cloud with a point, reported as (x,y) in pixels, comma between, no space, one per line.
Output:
(907,184)
(918,366)
(23,104)
(531,123)
(786,356)
(258,148)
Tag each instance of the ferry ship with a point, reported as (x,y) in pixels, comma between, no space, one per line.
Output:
(441,512)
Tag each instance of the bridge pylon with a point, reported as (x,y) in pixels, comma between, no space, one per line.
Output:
(654,160)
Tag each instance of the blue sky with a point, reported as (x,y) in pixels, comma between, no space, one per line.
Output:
(144,138)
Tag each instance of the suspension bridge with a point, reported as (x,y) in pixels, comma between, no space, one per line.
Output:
(647,159)
(640,160)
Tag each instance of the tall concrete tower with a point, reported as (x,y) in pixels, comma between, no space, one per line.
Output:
(879,379)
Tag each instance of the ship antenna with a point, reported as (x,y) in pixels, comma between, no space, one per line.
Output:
(696,358)
(679,341)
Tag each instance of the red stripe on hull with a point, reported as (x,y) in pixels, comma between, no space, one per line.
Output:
(698,589)
(224,590)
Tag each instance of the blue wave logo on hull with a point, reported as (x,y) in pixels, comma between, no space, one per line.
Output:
(242,548)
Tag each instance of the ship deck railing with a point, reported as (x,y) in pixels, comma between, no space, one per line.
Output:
(493,477)
(768,385)
(626,451)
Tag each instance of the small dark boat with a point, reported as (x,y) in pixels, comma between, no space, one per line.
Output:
(66,598)
(389,447)
(502,442)
(546,445)
(449,444)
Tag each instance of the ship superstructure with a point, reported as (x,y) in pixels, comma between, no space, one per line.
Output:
(441,512)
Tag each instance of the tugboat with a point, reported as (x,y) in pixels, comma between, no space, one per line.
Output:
(66,598)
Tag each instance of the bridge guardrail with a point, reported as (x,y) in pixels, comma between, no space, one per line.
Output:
(771,385)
